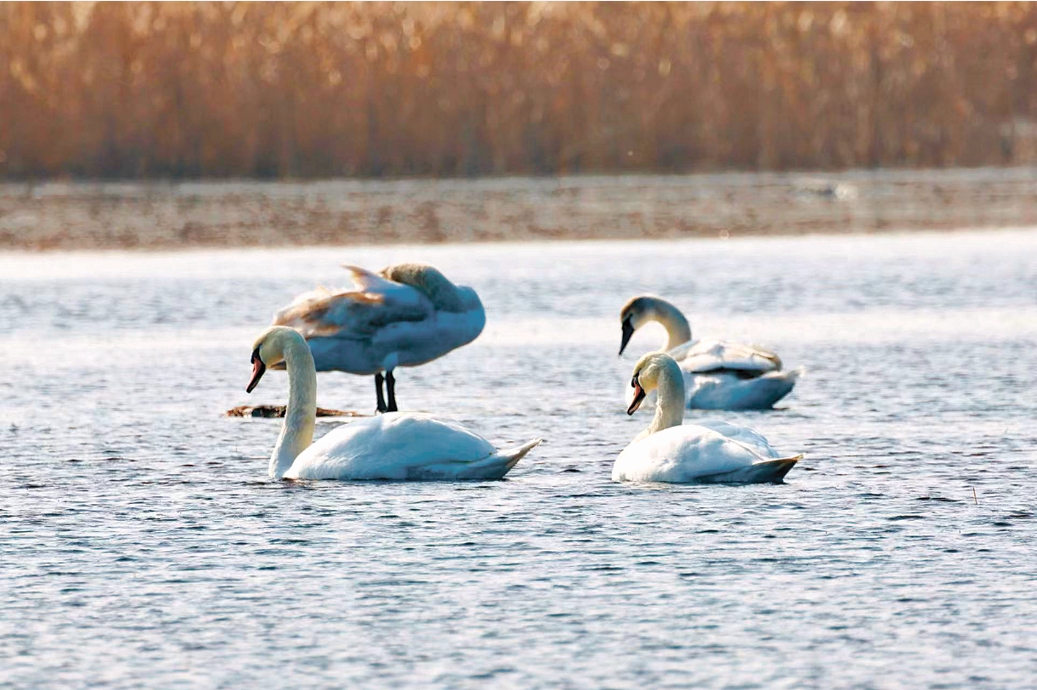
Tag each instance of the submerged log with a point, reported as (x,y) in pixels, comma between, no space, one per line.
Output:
(278,411)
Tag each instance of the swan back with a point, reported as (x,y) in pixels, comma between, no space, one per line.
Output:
(704,356)
(682,454)
(370,305)
(750,438)
(381,323)
(402,446)
(727,390)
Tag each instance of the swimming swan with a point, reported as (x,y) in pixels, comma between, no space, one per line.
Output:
(406,315)
(718,375)
(391,446)
(710,452)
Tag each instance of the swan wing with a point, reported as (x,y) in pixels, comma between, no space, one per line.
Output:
(682,454)
(403,446)
(747,437)
(436,317)
(367,281)
(358,313)
(727,390)
(703,356)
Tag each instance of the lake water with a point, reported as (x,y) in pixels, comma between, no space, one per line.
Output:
(142,544)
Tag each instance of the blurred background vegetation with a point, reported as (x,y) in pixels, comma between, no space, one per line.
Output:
(139,90)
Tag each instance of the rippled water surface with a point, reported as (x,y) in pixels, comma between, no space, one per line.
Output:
(141,543)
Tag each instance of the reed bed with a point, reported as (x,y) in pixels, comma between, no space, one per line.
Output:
(127,90)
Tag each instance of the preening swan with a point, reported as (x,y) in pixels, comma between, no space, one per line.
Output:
(710,452)
(406,315)
(718,375)
(391,446)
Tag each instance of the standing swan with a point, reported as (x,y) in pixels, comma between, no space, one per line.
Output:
(391,446)
(711,452)
(718,375)
(406,315)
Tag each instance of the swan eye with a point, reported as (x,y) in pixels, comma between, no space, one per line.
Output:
(255,356)
(633,381)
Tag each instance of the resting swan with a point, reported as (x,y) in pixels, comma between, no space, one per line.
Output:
(710,452)
(406,315)
(396,445)
(718,375)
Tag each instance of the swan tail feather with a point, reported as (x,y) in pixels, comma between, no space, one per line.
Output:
(775,470)
(516,453)
(763,472)
(493,466)
(789,462)
(367,283)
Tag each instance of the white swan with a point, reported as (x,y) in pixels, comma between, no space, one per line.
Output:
(718,375)
(710,452)
(396,445)
(406,315)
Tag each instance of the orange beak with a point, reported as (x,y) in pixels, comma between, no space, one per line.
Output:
(639,395)
(258,369)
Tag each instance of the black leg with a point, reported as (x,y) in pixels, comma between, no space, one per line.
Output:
(390,388)
(378,379)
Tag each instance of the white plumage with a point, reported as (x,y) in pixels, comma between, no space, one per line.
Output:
(710,452)
(404,446)
(718,374)
(404,316)
(394,446)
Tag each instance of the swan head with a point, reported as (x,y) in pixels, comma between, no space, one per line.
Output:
(268,351)
(648,372)
(636,313)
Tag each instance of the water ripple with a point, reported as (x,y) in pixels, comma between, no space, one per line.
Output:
(142,545)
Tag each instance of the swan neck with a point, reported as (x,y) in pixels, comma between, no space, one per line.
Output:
(301,413)
(669,410)
(678,330)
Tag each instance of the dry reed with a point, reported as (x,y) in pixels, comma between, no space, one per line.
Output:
(313,90)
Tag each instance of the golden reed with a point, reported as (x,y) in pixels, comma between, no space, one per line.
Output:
(314,90)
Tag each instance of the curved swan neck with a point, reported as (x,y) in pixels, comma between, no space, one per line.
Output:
(678,330)
(301,413)
(669,410)
(443,294)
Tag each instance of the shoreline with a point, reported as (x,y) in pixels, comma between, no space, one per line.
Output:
(891,232)
(164,216)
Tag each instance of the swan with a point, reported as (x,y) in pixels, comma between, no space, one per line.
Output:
(395,445)
(709,452)
(718,375)
(403,316)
